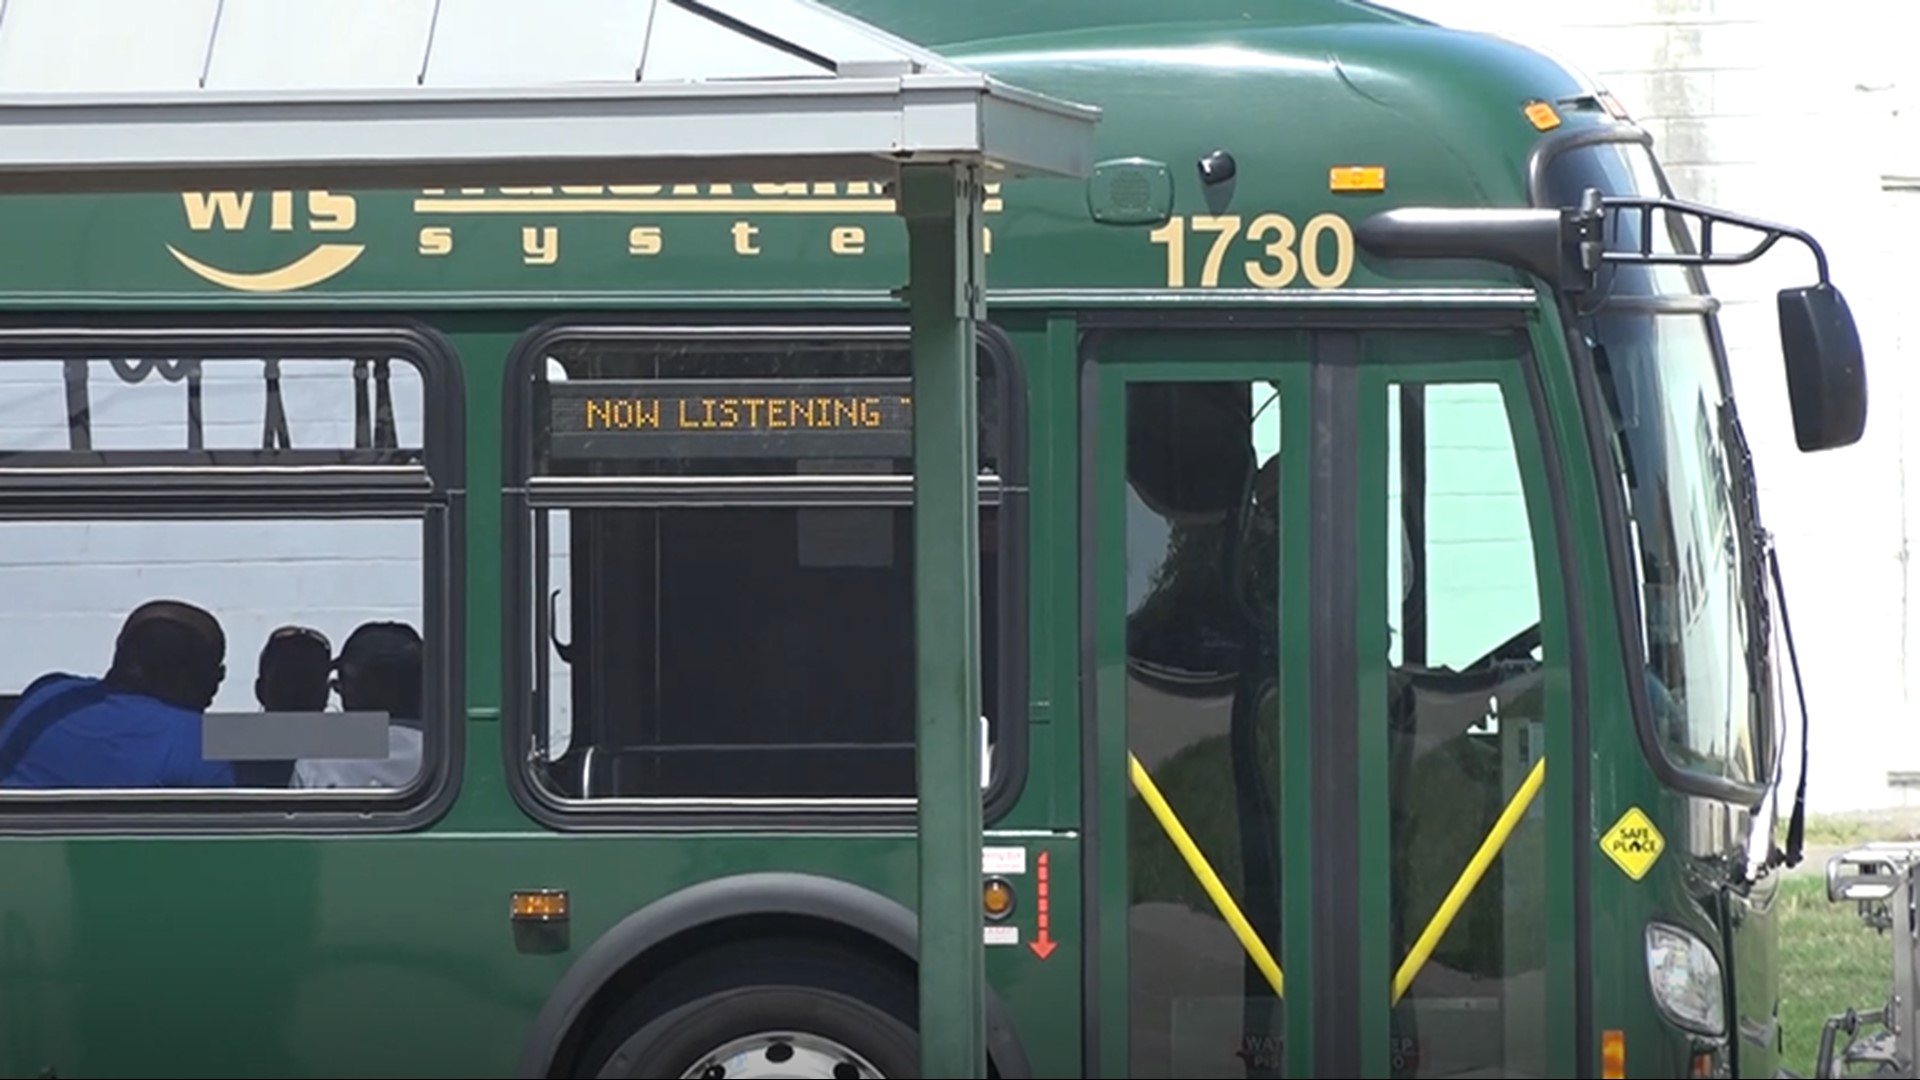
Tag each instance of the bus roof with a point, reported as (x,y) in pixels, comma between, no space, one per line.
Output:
(1439,117)
(946,25)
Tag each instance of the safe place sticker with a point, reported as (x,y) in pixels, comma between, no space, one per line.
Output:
(1634,843)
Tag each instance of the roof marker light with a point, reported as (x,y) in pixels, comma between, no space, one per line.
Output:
(1357,178)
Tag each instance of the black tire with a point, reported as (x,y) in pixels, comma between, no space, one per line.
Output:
(832,996)
(674,1043)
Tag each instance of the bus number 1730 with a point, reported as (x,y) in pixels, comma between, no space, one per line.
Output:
(1288,253)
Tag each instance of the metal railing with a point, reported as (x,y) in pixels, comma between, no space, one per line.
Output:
(1879,879)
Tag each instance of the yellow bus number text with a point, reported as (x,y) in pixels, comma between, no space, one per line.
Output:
(1320,251)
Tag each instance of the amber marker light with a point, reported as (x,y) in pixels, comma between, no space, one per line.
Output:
(1613,1054)
(996,898)
(540,905)
(1541,116)
(1357,178)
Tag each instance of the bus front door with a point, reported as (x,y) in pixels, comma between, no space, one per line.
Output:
(1325,676)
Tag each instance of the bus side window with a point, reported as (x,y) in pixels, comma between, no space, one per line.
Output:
(734,611)
(269,448)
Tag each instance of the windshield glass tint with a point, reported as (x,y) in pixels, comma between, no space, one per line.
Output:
(1651,335)
(1684,536)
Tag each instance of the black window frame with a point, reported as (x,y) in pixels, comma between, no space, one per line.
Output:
(227,486)
(520,503)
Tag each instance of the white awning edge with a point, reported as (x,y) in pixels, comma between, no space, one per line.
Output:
(799,129)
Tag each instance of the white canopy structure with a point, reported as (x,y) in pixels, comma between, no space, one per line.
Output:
(133,95)
(405,92)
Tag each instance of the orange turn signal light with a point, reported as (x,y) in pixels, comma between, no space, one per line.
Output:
(1357,178)
(996,898)
(1613,1054)
(1541,116)
(540,905)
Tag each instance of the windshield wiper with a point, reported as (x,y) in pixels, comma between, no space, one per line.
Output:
(1796,824)
(1761,555)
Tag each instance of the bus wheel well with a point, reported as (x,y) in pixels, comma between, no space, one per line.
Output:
(775,932)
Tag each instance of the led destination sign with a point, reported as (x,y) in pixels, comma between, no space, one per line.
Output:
(705,418)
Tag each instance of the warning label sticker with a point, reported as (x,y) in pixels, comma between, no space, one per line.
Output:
(1003,860)
(1634,843)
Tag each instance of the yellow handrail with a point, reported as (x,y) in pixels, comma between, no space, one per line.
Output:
(1429,939)
(1470,877)
(1203,872)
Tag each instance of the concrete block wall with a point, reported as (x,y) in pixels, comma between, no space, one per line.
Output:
(1793,112)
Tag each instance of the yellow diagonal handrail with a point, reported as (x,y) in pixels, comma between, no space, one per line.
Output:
(1203,872)
(1469,878)
(1429,939)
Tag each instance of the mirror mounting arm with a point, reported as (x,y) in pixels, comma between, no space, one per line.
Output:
(1585,240)
(1566,248)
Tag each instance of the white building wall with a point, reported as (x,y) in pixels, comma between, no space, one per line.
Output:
(1791,112)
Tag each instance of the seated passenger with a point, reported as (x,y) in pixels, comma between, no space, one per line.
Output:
(294,665)
(137,727)
(292,677)
(380,670)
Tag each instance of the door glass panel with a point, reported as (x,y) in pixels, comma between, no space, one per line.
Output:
(1203,589)
(1466,723)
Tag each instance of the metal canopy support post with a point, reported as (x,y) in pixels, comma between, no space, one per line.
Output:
(945,286)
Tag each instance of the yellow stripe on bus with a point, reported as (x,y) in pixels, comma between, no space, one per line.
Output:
(1469,878)
(1203,872)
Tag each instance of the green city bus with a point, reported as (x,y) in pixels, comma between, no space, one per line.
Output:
(1383,669)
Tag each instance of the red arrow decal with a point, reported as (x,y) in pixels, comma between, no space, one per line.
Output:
(1042,943)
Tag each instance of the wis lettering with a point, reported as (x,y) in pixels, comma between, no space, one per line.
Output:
(317,212)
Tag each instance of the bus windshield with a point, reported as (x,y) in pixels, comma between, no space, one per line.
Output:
(1687,485)
(1692,571)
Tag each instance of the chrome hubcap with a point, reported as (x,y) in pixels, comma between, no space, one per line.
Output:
(774,1055)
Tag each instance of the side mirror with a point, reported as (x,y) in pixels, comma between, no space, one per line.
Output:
(1826,369)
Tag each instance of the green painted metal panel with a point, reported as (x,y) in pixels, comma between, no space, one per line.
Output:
(381,957)
(1375,826)
(1443,117)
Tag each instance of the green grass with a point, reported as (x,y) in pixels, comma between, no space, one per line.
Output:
(1829,962)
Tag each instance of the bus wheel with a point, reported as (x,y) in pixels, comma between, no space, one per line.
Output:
(790,1014)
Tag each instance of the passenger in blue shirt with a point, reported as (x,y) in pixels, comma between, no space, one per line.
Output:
(136,727)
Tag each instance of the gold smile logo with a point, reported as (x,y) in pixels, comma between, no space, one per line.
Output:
(232,211)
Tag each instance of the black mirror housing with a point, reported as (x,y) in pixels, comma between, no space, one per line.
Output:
(1826,367)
